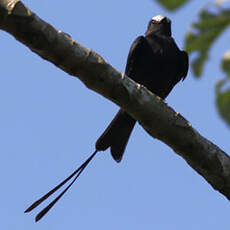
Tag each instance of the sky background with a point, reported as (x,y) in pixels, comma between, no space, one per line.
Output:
(50,121)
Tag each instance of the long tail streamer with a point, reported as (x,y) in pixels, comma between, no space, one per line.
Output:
(48,207)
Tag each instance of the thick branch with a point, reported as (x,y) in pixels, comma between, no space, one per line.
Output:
(159,120)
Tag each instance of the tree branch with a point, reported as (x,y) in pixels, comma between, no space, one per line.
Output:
(158,119)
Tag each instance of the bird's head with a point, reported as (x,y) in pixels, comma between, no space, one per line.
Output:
(159,24)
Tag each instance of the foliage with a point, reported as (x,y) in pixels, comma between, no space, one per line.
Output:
(223,90)
(205,32)
(172,4)
(200,40)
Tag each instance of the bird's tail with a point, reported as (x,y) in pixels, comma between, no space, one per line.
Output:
(116,135)
(77,172)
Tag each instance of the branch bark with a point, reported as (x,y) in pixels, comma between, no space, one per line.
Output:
(158,119)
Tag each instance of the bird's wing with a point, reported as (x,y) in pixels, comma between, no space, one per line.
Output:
(135,54)
(184,63)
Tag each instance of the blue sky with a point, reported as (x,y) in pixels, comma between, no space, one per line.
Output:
(50,121)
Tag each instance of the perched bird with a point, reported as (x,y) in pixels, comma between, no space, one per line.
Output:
(154,61)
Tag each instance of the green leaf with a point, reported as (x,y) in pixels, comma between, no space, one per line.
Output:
(203,35)
(225,64)
(223,99)
(198,64)
(172,4)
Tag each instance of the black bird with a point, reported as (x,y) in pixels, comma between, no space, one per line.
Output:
(154,61)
